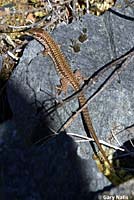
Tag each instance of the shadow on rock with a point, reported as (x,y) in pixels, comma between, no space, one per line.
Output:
(123,161)
(49,170)
(28,116)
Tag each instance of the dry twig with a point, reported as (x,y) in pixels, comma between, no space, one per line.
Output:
(91,80)
(99,90)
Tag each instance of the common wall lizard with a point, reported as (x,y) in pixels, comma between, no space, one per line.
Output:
(67,76)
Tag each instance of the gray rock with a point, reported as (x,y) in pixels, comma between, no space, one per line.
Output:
(124,191)
(31,91)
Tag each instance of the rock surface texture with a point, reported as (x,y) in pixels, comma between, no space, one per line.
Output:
(62,168)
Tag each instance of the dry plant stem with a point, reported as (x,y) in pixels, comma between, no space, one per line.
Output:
(53,8)
(116,139)
(41,23)
(85,139)
(55,19)
(16,59)
(92,80)
(22,12)
(62,3)
(10,28)
(131,142)
(125,129)
(101,88)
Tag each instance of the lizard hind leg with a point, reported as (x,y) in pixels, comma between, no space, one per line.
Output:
(46,52)
(64,83)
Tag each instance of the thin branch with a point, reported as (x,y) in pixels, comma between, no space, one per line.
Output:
(99,90)
(91,80)
(131,142)
(36,24)
(116,139)
(85,138)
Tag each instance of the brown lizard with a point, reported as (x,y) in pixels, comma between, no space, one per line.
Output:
(67,77)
